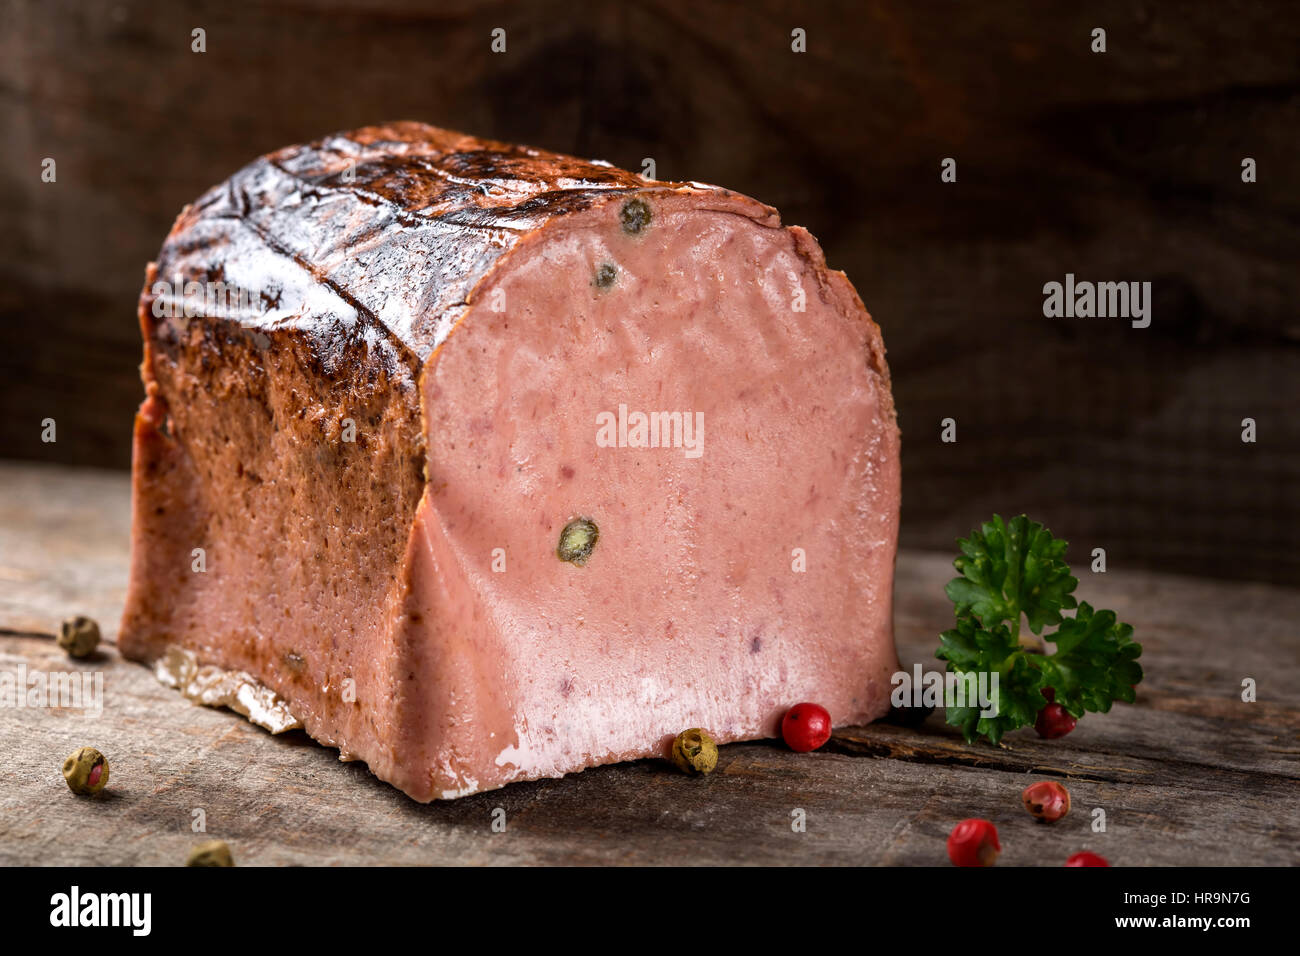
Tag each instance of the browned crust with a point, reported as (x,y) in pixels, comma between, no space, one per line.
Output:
(393,225)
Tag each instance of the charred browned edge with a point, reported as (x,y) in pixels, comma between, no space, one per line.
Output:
(477,186)
(415,165)
(329,353)
(420,178)
(409,175)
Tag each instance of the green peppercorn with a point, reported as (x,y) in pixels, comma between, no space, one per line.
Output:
(605,276)
(694,752)
(79,636)
(635,216)
(577,540)
(211,853)
(86,771)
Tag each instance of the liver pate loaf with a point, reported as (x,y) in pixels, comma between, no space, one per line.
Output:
(496,464)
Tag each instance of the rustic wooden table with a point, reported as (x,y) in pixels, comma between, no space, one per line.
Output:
(1190,774)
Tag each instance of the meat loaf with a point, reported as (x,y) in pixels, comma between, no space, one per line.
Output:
(495,464)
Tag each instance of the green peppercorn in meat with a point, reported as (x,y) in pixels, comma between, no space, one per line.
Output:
(577,541)
(635,216)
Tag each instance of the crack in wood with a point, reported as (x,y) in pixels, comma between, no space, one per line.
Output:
(867,743)
(897,750)
(23,632)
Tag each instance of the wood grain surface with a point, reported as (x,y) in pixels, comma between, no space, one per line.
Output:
(1189,774)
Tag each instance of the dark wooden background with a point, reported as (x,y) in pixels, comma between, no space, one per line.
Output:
(1122,166)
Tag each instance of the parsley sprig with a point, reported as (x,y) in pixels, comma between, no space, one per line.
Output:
(1013,571)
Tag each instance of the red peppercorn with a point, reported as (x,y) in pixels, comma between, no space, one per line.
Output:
(1086,859)
(973,843)
(1054,721)
(806,727)
(1047,800)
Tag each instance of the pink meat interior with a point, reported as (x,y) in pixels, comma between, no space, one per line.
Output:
(691,610)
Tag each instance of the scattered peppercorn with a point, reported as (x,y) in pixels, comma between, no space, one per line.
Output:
(695,752)
(605,276)
(210,853)
(635,216)
(577,541)
(86,771)
(1046,800)
(79,636)
(974,842)
(806,727)
(1086,859)
(1054,721)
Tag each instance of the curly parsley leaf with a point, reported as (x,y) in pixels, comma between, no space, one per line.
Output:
(1016,569)
(1009,569)
(971,649)
(1095,662)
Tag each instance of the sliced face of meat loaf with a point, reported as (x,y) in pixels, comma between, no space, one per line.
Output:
(497,464)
